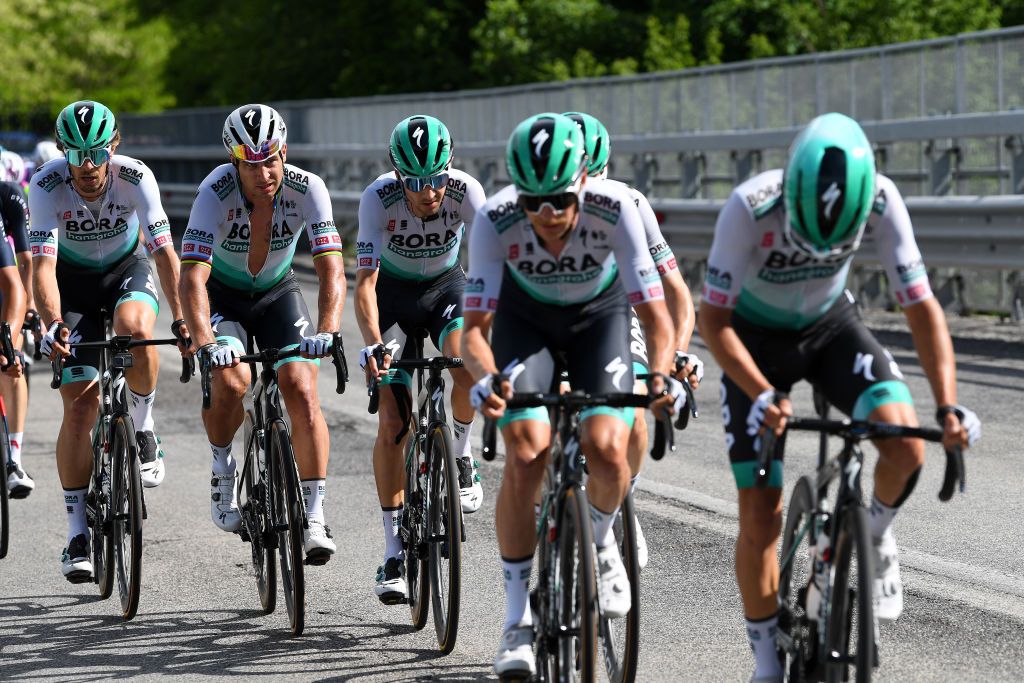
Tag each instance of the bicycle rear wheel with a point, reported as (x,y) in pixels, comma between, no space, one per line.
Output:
(576,591)
(126,496)
(288,513)
(417,556)
(445,528)
(852,628)
(620,638)
(795,571)
(256,516)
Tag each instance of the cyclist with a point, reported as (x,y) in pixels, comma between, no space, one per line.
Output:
(597,143)
(86,211)
(775,311)
(555,261)
(411,224)
(14,218)
(237,281)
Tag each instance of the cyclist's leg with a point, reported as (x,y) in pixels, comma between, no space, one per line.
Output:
(861,378)
(14,391)
(638,434)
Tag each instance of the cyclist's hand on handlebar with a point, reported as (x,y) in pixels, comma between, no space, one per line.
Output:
(55,342)
(317,346)
(368,361)
(671,396)
(769,411)
(13,369)
(180,331)
(960,425)
(219,354)
(688,366)
(484,399)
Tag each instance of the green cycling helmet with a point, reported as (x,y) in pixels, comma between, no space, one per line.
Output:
(85,125)
(596,141)
(828,187)
(546,154)
(420,146)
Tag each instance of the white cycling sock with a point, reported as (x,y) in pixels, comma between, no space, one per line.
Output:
(602,523)
(15,442)
(517,592)
(223,464)
(392,539)
(313,492)
(142,410)
(761,633)
(880,518)
(74,499)
(460,435)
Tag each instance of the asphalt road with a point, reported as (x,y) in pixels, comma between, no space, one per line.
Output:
(199,617)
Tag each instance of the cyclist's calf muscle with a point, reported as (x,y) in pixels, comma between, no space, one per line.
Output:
(74,444)
(297,382)
(757,567)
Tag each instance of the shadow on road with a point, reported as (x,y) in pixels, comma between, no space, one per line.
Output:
(41,638)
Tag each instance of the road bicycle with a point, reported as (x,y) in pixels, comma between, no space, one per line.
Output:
(828,542)
(432,527)
(270,493)
(7,348)
(114,505)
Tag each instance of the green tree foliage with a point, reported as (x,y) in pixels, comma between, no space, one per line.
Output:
(57,52)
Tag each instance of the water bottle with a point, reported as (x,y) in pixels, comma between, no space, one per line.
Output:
(821,559)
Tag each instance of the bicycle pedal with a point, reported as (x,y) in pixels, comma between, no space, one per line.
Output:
(317,559)
(516,677)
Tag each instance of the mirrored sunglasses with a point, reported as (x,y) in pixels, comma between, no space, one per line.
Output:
(558,202)
(266,150)
(418,184)
(98,156)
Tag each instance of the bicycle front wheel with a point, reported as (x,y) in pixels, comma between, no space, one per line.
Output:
(288,514)
(445,515)
(414,523)
(620,638)
(126,497)
(577,613)
(795,570)
(5,522)
(851,628)
(99,514)
(255,508)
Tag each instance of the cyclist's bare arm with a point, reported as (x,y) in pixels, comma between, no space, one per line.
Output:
(658,328)
(13,300)
(366,306)
(196,303)
(25,269)
(330,270)
(44,284)
(680,308)
(168,268)
(934,348)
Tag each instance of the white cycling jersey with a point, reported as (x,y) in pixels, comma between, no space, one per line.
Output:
(217,235)
(394,240)
(656,243)
(62,226)
(753,269)
(608,240)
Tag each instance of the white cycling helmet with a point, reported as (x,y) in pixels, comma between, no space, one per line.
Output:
(12,166)
(46,150)
(254,133)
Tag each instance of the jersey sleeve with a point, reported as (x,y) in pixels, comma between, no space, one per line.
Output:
(732,249)
(156,229)
(636,267)
(373,221)
(43,223)
(320,229)
(203,221)
(657,245)
(897,249)
(474,201)
(486,266)
(16,216)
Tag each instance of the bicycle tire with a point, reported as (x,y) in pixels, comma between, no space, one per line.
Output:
(417,556)
(852,610)
(620,638)
(98,500)
(577,602)
(445,526)
(126,527)
(289,511)
(256,516)
(5,520)
(795,571)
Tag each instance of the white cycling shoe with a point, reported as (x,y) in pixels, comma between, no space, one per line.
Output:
(515,659)
(317,543)
(641,545)
(151,459)
(888,584)
(471,493)
(74,561)
(19,484)
(223,504)
(391,588)
(612,583)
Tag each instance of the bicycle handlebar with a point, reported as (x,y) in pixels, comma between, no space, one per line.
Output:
(119,343)
(35,326)
(432,363)
(859,430)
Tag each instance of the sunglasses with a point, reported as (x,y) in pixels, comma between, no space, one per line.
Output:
(418,184)
(265,151)
(98,156)
(558,202)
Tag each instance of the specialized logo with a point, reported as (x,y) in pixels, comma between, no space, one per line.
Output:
(83,113)
(417,135)
(448,312)
(249,116)
(830,197)
(616,368)
(538,141)
(301,324)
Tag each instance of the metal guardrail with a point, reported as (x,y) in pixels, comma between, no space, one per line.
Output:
(982,234)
